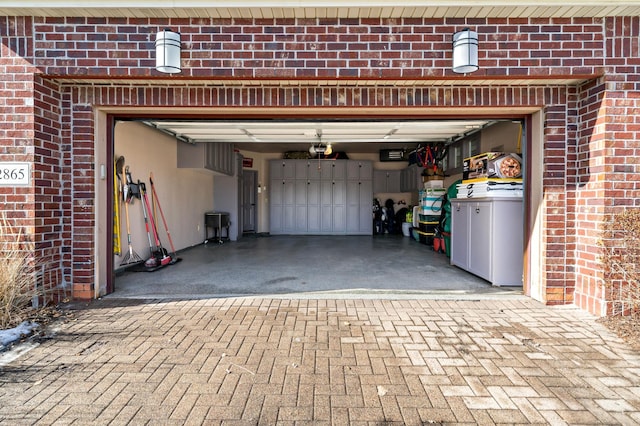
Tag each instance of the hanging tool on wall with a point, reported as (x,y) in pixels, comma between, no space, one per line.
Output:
(156,200)
(117,196)
(159,256)
(131,257)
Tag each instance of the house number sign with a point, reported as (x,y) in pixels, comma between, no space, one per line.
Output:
(15,174)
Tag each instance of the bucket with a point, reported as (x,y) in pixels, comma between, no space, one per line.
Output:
(406,228)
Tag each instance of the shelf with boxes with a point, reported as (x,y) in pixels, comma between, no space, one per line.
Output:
(491,175)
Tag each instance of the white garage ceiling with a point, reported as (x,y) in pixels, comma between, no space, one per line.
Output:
(298,135)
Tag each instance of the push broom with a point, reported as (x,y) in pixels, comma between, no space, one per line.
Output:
(156,200)
(160,255)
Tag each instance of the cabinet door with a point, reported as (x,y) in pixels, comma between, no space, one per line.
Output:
(275,207)
(480,239)
(289,206)
(353,171)
(366,205)
(507,243)
(301,206)
(411,179)
(313,207)
(220,157)
(359,170)
(276,169)
(339,169)
(379,181)
(302,169)
(407,179)
(275,219)
(339,206)
(289,169)
(393,181)
(366,170)
(403,180)
(326,206)
(277,192)
(459,234)
(353,207)
(359,207)
(316,170)
(210,155)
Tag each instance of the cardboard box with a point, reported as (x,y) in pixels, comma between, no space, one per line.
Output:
(492,165)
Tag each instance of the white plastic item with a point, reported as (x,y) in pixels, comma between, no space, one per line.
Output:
(416,218)
(406,228)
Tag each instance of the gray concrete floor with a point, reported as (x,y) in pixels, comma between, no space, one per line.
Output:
(317,266)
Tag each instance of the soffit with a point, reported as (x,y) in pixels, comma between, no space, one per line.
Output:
(261,9)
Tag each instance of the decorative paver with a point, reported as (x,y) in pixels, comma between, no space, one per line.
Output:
(324,361)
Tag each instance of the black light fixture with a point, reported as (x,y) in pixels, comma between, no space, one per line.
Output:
(168,52)
(465,51)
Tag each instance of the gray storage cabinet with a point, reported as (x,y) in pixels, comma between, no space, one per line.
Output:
(320,197)
(214,156)
(487,238)
(411,178)
(386,181)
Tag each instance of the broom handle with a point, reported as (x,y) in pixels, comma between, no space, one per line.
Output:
(153,225)
(164,221)
(126,210)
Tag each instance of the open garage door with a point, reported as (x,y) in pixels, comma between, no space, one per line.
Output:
(198,167)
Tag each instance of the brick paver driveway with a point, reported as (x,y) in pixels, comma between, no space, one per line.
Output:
(276,361)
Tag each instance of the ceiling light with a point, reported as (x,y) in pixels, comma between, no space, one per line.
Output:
(465,51)
(168,52)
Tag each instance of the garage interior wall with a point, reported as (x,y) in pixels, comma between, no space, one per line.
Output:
(184,194)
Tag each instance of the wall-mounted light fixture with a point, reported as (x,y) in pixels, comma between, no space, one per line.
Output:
(168,52)
(465,51)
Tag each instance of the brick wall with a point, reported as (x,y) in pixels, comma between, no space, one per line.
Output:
(319,48)
(586,187)
(587,129)
(607,170)
(16,113)
(50,185)
(17,204)
(558,282)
